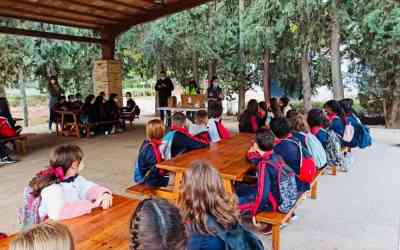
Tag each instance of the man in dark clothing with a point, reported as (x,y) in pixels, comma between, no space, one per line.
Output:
(164,86)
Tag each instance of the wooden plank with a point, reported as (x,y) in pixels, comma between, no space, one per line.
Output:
(53,7)
(127,5)
(160,11)
(49,35)
(44,13)
(56,21)
(101,229)
(96,7)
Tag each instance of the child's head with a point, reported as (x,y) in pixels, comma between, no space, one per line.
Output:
(215,110)
(65,161)
(316,118)
(113,97)
(265,139)
(284,101)
(252,106)
(179,120)
(128,95)
(44,236)
(333,106)
(157,225)
(103,94)
(78,97)
(89,99)
(280,127)
(298,123)
(201,117)
(71,98)
(155,129)
(347,105)
(202,195)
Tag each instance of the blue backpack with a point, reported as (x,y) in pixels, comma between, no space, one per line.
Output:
(237,238)
(316,149)
(362,134)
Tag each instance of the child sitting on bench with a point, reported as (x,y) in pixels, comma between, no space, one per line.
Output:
(199,128)
(179,140)
(59,192)
(272,174)
(149,155)
(216,129)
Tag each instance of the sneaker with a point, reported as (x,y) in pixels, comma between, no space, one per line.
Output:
(7,160)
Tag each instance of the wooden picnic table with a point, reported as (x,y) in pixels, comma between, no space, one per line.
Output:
(228,157)
(75,114)
(101,229)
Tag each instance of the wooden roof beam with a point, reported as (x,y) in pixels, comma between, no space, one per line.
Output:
(162,11)
(129,6)
(44,16)
(29,4)
(54,21)
(51,35)
(97,7)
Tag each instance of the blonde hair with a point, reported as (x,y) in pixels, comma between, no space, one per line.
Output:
(202,195)
(45,236)
(299,123)
(155,129)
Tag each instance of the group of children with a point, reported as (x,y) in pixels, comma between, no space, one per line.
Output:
(287,153)
(97,110)
(203,215)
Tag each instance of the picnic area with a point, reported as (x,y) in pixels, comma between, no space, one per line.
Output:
(198,124)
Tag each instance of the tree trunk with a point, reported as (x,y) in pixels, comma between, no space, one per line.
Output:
(338,90)
(266,77)
(212,63)
(242,56)
(24,101)
(306,80)
(2,91)
(195,67)
(392,112)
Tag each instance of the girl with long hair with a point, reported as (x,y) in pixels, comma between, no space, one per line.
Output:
(248,120)
(335,116)
(203,202)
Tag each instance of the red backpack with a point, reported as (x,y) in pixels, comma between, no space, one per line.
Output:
(308,167)
(6,130)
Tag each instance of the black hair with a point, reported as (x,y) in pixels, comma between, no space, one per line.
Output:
(102,93)
(347,105)
(263,105)
(128,93)
(112,96)
(265,139)
(78,95)
(251,110)
(280,127)
(99,100)
(89,99)
(157,225)
(179,117)
(285,100)
(291,113)
(335,107)
(214,78)
(163,72)
(4,106)
(316,118)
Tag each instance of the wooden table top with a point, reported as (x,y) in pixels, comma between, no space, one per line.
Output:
(228,156)
(101,229)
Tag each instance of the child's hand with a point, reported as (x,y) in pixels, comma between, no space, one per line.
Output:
(104,201)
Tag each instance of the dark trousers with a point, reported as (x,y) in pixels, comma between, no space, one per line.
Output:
(163,102)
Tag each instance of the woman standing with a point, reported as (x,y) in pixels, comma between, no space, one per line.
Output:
(55,92)
(214,93)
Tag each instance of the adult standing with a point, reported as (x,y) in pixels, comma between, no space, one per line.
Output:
(214,93)
(164,87)
(55,91)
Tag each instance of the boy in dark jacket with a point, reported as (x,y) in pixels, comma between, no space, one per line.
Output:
(289,148)
(178,140)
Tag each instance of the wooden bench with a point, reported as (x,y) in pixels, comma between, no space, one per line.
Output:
(277,219)
(146,191)
(87,127)
(20,142)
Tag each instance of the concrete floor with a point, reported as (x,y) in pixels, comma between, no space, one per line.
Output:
(354,211)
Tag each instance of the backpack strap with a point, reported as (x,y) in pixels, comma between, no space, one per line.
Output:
(300,149)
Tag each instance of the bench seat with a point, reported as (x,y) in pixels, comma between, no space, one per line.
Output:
(276,219)
(22,141)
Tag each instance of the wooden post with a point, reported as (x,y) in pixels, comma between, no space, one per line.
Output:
(276,241)
(108,46)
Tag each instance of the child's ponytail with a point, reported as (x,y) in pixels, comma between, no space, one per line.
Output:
(61,160)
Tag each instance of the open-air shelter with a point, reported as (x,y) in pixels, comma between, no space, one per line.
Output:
(108,19)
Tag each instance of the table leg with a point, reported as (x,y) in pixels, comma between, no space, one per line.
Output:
(314,190)
(276,241)
(77,130)
(62,124)
(228,186)
(178,182)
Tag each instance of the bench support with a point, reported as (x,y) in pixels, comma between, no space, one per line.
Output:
(276,237)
